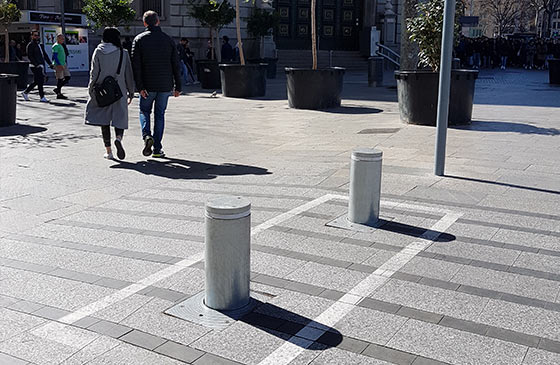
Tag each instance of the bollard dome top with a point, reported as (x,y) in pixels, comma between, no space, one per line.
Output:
(228,207)
(366,154)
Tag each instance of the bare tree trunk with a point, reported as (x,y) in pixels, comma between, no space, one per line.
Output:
(238,26)
(314,33)
(409,49)
(7,47)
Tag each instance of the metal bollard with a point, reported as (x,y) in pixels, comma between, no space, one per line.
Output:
(227,252)
(365,186)
(375,71)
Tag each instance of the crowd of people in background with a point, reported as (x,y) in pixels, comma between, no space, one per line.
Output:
(528,53)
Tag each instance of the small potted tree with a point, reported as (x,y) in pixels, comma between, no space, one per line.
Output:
(9,13)
(260,24)
(242,80)
(213,15)
(108,13)
(313,88)
(418,89)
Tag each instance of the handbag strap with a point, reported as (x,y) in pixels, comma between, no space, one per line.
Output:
(120,63)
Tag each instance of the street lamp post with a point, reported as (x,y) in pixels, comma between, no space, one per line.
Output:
(62,20)
(444,85)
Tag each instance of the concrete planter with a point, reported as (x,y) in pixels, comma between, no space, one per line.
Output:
(418,96)
(554,71)
(8,89)
(243,81)
(271,65)
(314,89)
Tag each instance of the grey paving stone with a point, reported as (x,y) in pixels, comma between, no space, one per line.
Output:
(51,313)
(74,275)
(362,268)
(270,280)
(438,283)
(407,277)
(86,322)
(331,294)
(134,254)
(109,329)
(380,305)
(6,359)
(142,339)
(112,283)
(541,357)
(549,345)
(158,258)
(523,300)
(353,345)
(463,325)
(419,314)
(512,336)
(290,328)
(389,354)
(333,262)
(179,352)
(420,360)
(6,301)
(25,306)
(304,288)
(209,359)
(479,291)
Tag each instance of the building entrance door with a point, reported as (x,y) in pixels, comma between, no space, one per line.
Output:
(338,24)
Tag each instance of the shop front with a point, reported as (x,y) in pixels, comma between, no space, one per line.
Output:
(48,25)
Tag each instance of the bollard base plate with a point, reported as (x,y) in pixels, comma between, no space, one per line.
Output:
(342,222)
(194,310)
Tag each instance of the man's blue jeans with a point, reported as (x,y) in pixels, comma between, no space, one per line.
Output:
(160,99)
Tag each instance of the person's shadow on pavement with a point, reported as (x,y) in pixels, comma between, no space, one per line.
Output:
(174,168)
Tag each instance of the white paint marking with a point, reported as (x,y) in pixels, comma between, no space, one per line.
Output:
(338,310)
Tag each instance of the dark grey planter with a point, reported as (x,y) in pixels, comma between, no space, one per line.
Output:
(208,73)
(8,90)
(243,81)
(271,65)
(314,89)
(554,71)
(20,69)
(418,96)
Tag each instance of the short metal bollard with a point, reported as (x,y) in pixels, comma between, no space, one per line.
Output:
(227,253)
(365,186)
(375,71)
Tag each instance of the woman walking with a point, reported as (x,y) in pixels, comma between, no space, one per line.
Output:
(110,59)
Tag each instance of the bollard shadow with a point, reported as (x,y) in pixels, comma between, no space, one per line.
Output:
(287,325)
(413,231)
(521,128)
(20,130)
(353,109)
(174,168)
(515,186)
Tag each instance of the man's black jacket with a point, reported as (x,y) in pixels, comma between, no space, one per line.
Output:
(155,61)
(37,55)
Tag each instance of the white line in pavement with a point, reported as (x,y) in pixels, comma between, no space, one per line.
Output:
(338,310)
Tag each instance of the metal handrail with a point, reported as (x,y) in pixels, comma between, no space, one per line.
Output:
(388,54)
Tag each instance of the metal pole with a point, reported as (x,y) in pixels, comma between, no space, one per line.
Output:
(227,257)
(62,20)
(444,85)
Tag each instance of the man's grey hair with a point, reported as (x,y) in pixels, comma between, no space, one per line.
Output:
(151,18)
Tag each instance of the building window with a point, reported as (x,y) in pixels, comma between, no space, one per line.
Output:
(27,4)
(155,5)
(73,6)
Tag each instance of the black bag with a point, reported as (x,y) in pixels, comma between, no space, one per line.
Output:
(109,91)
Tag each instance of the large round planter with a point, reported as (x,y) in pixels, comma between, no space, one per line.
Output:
(271,65)
(314,89)
(8,89)
(208,74)
(20,69)
(554,71)
(243,81)
(418,96)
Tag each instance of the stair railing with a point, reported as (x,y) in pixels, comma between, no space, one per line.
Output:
(388,54)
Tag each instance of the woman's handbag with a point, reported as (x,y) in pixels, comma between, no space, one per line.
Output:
(109,91)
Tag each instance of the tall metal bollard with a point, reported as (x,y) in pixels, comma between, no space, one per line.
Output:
(227,253)
(365,186)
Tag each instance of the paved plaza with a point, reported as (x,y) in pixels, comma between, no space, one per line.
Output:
(466,269)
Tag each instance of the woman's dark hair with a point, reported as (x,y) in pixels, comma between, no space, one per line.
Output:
(112,35)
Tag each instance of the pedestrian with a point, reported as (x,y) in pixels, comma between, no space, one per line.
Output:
(127,44)
(60,57)
(186,71)
(157,75)
(37,58)
(110,59)
(227,50)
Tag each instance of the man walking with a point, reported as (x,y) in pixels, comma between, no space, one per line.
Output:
(157,74)
(37,57)
(61,67)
